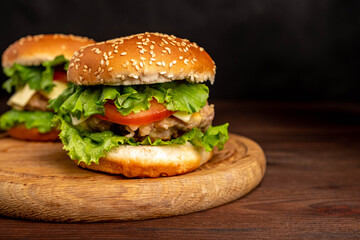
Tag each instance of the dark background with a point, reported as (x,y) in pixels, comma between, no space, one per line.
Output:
(287,50)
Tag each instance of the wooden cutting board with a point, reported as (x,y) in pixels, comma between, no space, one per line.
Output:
(38,181)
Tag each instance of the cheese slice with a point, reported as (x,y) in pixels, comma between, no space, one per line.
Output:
(184,116)
(76,121)
(21,97)
(57,90)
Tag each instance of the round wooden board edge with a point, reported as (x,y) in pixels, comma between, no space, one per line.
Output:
(56,215)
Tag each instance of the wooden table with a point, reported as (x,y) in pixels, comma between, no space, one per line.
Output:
(311,189)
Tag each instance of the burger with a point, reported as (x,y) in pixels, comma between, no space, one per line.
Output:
(36,67)
(137,106)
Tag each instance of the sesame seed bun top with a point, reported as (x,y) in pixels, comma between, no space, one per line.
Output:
(33,50)
(141,59)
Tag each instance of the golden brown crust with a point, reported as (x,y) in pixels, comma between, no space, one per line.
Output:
(141,59)
(33,50)
(151,161)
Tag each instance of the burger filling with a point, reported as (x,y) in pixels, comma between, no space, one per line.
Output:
(95,119)
(34,86)
(165,129)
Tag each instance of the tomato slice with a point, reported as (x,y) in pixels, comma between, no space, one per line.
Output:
(156,112)
(21,132)
(60,76)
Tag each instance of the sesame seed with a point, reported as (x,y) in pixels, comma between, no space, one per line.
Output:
(170,65)
(109,53)
(116,51)
(170,76)
(141,64)
(163,63)
(152,47)
(158,63)
(102,62)
(168,49)
(163,72)
(163,51)
(174,62)
(133,76)
(142,58)
(186,61)
(123,53)
(107,63)
(109,69)
(137,68)
(181,57)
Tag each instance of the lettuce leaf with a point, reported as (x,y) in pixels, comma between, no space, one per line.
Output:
(38,77)
(89,147)
(89,100)
(31,119)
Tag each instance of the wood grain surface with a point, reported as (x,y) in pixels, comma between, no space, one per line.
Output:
(38,181)
(311,188)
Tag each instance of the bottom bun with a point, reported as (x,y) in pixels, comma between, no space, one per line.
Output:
(33,134)
(151,161)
